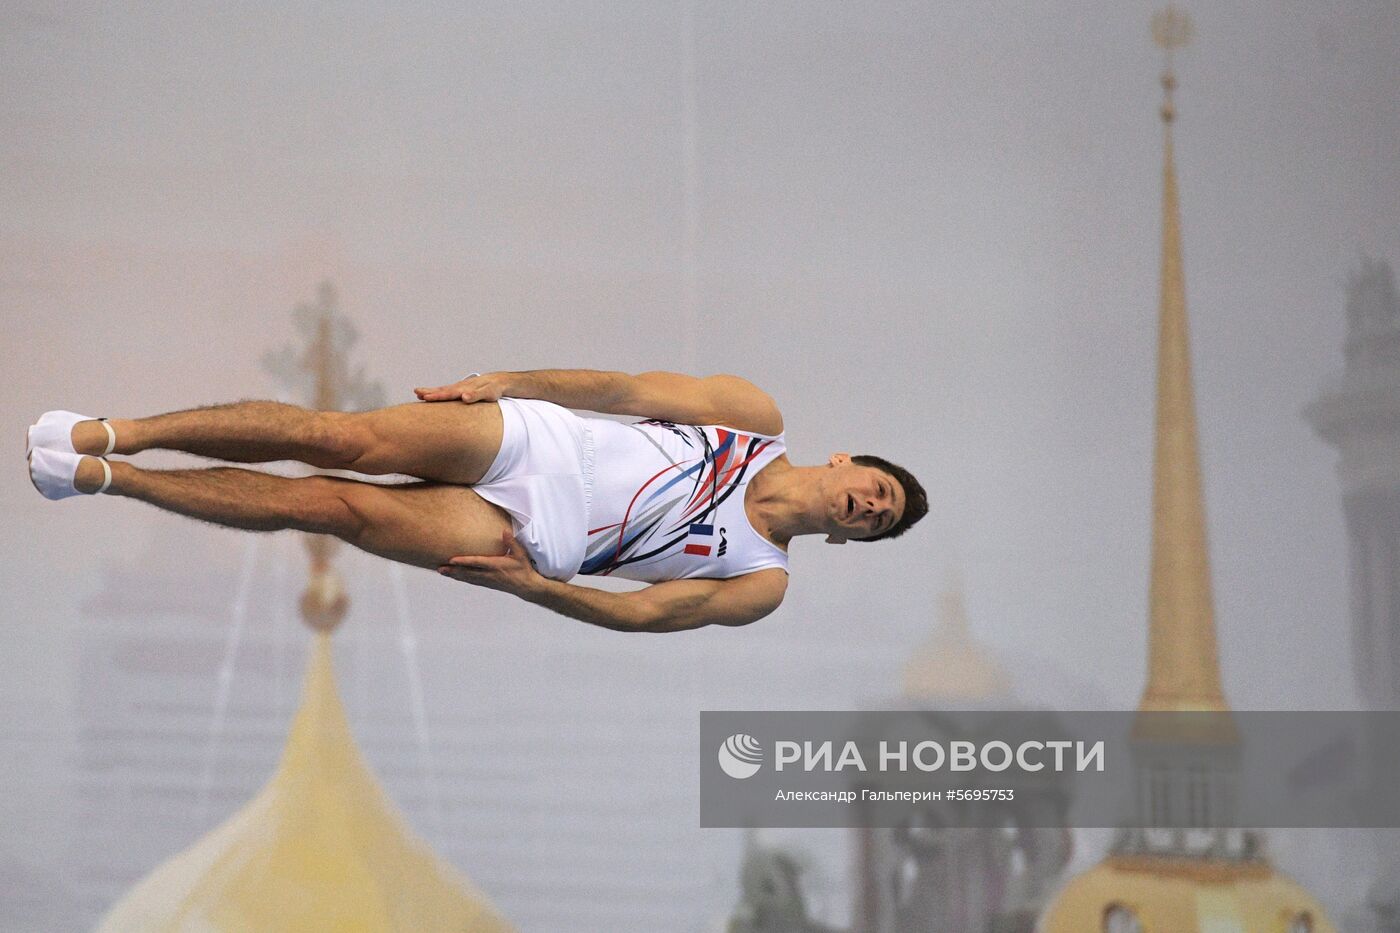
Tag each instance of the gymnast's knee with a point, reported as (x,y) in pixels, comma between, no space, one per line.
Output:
(345,438)
(340,507)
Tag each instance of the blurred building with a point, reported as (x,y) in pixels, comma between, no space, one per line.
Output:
(1359,414)
(771,895)
(929,875)
(935,875)
(1165,879)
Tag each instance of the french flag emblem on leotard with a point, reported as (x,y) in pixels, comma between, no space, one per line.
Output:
(700,540)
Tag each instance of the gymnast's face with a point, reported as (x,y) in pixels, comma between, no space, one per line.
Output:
(860,501)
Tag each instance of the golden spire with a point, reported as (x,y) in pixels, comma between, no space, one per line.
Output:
(1183,668)
(1151,880)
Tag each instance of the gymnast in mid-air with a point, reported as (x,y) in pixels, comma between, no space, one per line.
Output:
(518,493)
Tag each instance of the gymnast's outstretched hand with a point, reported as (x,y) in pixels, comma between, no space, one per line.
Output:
(474,388)
(510,572)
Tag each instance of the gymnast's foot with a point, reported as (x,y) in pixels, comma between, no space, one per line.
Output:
(58,475)
(70,432)
(95,437)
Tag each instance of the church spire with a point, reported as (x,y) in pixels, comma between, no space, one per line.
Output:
(1183,668)
(1186,865)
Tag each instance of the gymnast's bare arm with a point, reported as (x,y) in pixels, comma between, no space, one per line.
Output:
(673,606)
(728,400)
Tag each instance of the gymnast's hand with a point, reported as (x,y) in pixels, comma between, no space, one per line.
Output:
(510,572)
(474,388)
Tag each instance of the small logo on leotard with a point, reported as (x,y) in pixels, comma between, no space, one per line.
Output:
(672,427)
(701,540)
(723,543)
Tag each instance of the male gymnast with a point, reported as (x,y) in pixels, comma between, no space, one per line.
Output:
(518,493)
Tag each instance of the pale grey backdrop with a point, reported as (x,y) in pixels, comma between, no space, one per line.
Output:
(929,231)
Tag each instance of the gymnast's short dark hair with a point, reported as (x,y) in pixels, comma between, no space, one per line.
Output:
(915,498)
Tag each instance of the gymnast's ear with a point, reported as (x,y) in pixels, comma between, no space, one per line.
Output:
(835,539)
(837,460)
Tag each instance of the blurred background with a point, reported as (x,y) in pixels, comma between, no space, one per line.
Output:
(930,232)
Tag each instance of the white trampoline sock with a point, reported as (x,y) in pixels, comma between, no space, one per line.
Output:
(52,472)
(54,430)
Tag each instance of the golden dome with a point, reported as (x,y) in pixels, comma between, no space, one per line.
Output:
(951,665)
(321,848)
(1168,895)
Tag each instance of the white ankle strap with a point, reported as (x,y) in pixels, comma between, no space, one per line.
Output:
(106,472)
(111,441)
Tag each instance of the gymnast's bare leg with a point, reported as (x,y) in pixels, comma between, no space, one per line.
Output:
(447,442)
(422,524)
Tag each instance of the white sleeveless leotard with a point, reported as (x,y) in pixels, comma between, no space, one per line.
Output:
(668,501)
(649,501)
